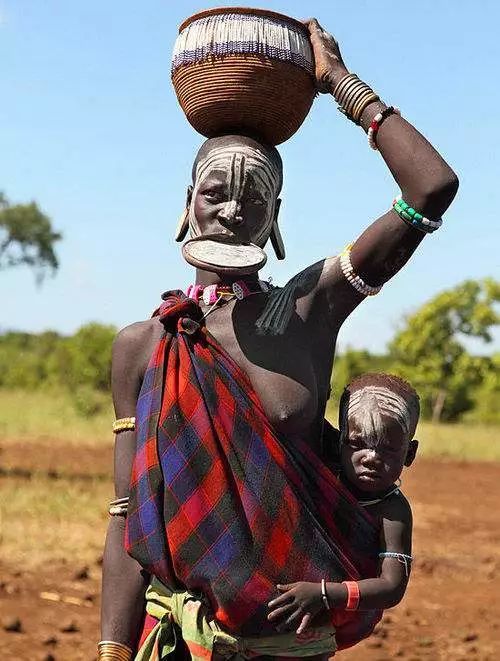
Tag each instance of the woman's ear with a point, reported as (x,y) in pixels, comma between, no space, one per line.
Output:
(275,236)
(183,224)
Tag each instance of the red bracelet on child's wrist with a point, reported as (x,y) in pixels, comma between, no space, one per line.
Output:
(352,595)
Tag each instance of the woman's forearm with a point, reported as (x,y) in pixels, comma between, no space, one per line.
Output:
(124,583)
(422,175)
(424,178)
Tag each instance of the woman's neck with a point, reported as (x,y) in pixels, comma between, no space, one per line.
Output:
(205,278)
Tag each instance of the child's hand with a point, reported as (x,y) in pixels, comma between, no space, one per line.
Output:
(299,603)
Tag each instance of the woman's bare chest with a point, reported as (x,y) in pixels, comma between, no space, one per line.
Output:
(280,368)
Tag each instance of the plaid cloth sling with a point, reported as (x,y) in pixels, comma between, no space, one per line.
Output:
(220,504)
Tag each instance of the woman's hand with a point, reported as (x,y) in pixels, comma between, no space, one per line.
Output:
(296,606)
(329,64)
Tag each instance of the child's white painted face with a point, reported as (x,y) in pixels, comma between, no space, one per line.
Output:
(375,438)
(235,192)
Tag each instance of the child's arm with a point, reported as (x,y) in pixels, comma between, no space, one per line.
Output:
(300,602)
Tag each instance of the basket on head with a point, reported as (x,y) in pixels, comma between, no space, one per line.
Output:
(239,70)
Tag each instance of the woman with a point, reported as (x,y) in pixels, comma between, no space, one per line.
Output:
(280,344)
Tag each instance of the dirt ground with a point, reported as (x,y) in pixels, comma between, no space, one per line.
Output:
(451,610)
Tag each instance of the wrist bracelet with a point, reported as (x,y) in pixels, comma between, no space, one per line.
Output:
(324,596)
(352,595)
(108,650)
(377,122)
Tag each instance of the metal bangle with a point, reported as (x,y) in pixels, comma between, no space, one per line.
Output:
(341,84)
(350,93)
(362,104)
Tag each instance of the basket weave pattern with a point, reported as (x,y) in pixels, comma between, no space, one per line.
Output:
(245,93)
(240,70)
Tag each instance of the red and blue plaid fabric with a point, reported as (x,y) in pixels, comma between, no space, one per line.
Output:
(219,503)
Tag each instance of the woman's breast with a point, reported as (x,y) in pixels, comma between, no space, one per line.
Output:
(291,406)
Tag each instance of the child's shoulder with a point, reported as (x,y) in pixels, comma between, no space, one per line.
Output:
(394,508)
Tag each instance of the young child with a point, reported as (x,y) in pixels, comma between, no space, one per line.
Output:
(378,415)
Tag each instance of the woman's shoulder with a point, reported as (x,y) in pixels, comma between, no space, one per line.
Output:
(136,339)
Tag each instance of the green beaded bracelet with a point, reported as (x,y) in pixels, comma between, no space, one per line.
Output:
(415,219)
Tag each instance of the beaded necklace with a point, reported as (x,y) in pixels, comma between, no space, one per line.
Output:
(213,295)
(210,293)
(365,503)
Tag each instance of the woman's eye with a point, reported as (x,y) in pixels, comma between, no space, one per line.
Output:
(257,201)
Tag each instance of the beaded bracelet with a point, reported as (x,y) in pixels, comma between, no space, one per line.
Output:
(403,558)
(123,424)
(415,219)
(358,283)
(376,123)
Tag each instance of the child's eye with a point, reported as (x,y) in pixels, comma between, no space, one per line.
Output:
(213,195)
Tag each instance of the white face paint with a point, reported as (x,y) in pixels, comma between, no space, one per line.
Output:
(243,165)
(366,407)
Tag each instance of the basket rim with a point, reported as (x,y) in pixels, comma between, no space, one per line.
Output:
(243,10)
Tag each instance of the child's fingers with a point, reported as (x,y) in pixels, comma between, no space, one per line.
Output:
(294,616)
(280,612)
(304,623)
(282,599)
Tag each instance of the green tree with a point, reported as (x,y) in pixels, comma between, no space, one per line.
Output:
(27,237)
(88,357)
(429,350)
(352,363)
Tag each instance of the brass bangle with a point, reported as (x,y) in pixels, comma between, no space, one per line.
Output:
(341,84)
(110,651)
(359,101)
(361,108)
(353,103)
(123,424)
(351,93)
(118,507)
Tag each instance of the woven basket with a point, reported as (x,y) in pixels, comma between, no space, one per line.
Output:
(246,85)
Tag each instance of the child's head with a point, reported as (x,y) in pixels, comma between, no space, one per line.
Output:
(378,416)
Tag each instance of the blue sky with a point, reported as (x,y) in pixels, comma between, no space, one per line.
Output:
(90,128)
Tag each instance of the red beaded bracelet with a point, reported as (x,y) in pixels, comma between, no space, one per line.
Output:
(352,595)
(377,123)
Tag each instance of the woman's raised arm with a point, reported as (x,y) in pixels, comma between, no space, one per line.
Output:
(427,183)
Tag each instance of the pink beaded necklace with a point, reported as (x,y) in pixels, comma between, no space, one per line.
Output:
(212,294)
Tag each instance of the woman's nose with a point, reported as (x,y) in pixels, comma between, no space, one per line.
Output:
(231,213)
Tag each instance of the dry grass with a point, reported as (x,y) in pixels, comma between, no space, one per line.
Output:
(43,520)
(50,418)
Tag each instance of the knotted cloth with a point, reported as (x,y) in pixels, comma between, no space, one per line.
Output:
(220,504)
(185,628)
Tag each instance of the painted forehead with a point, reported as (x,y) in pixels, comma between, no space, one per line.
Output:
(368,407)
(241,161)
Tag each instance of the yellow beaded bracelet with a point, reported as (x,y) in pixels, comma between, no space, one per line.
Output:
(123,424)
